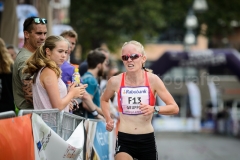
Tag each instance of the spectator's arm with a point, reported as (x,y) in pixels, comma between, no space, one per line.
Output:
(89,105)
(26,83)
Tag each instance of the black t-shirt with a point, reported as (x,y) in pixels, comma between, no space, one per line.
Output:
(83,67)
(6,93)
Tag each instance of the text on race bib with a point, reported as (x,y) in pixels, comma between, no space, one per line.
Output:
(131,97)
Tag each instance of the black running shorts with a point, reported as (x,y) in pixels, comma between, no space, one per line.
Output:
(139,146)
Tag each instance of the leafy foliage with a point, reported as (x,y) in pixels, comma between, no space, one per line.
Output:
(220,15)
(113,22)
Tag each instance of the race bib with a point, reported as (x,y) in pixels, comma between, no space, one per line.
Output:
(131,97)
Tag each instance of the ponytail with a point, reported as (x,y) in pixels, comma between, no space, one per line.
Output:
(147,69)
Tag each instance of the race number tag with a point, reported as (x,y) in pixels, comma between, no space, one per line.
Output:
(131,97)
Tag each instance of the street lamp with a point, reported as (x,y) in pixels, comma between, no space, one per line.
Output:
(191,22)
(189,38)
(200,5)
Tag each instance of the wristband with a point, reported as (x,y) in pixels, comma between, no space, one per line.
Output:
(94,113)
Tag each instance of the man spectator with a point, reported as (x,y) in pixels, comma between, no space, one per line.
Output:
(83,67)
(96,63)
(66,67)
(35,30)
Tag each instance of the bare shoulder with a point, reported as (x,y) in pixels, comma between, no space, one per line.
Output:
(153,77)
(115,81)
(47,71)
(48,75)
(155,81)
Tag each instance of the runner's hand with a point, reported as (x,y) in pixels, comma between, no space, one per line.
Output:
(146,109)
(109,125)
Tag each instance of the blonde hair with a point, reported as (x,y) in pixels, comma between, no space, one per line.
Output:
(6,61)
(140,49)
(39,58)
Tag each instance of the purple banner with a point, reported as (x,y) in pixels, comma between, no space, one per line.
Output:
(201,58)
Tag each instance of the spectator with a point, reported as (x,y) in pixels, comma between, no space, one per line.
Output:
(96,61)
(49,91)
(66,67)
(83,67)
(35,31)
(6,95)
(12,51)
(68,70)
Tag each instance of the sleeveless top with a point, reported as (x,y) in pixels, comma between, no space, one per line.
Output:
(40,95)
(130,97)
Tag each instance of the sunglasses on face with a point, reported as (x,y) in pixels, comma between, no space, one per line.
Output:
(132,57)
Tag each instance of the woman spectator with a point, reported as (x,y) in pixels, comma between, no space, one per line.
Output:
(6,94)
(49,91)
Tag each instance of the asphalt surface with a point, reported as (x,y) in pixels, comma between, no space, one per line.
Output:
(196,146)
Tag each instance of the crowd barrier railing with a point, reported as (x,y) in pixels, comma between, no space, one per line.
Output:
(52,117)
(98,140)
(7,114)
(68,124)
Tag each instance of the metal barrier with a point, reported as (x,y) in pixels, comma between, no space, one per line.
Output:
(96,138)
(69,124)
(63,123)
(7,114)
(95,120)
(52,117)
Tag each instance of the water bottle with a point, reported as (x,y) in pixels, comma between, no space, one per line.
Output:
(76,77)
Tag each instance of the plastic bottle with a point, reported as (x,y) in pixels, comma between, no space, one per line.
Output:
(76,77)
(68,84)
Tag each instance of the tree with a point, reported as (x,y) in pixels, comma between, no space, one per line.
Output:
(174,13)
(221,18)
(113,22)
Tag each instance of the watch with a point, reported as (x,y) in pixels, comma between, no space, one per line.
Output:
(156,109)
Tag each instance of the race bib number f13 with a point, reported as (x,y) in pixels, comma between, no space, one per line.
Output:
(131,97)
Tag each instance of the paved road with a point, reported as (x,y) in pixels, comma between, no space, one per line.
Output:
(196,146)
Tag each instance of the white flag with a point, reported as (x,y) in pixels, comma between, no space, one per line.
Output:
(48,145)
